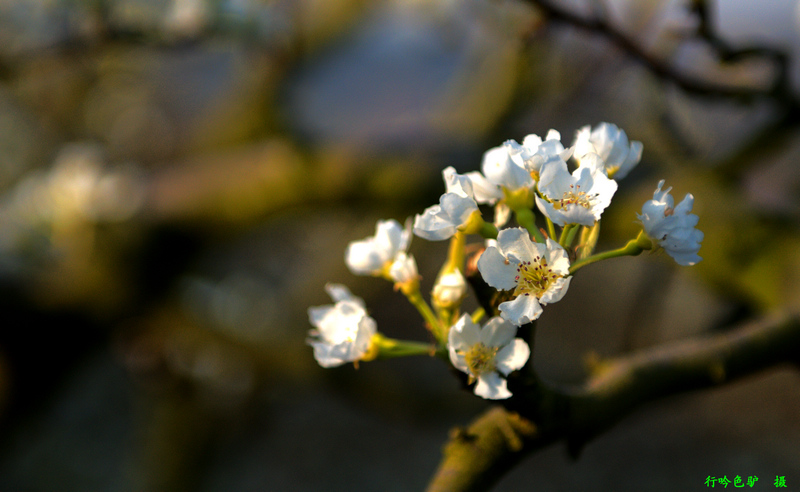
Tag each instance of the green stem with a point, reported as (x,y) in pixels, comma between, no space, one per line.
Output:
(551,229)
(571,236)
(455,255)
(488,230)
(565,232)
(526,219)
(588,241)
(415,298)
(633,248)
(476,225)
(389,348)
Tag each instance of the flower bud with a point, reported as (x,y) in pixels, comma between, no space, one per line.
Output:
(450,290)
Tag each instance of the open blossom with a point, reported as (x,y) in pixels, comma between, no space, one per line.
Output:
(484,353)
(343,330)
(534,152)
(577,198)
(538,273)
(609,142)
(672,227)
(441,221)
(503,171)
(379,253)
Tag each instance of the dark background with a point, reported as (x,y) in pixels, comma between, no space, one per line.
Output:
(180,179)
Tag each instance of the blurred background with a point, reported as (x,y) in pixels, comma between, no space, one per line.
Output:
(179,179)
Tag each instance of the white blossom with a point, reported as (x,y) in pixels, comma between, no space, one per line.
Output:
(343,330)
(486,352)
(538,273)
(672,227)
(534,152)
(610,143)
(455,206)
(577,198)
(371,256)
(502,171)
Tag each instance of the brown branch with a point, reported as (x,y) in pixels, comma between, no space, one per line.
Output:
(540,414)
(779,89)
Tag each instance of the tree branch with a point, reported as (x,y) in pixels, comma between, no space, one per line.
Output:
(540,414)
(779,89)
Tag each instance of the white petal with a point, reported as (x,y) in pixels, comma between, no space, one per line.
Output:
(339,292)
(556,291)
(457,359)
(363,258)
(512,357)
(457,208)
(553,135)
(557,257)
(450,288)
(484,190)
(582,142)
(500,169)
(388,236)
(516,243)
(404,268)
(324,355)
(685,206)
(405,237)
(434,224)
(593,162)
(498,332)
(456,183)
(555,179)
(502,213)
(633,158)
(523,309)
(318,313)
(496,271)
(547,209)
(464,334)
(573,214)
(492,387)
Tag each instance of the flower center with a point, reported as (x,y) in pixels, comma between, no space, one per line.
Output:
(575,197)
(534,278)
(346,334)
(480,359)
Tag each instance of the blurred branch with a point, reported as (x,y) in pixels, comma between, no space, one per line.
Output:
(779,89)
(540,413)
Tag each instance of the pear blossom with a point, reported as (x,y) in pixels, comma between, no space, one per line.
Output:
(533,152)
(485,352)
(672,227)
(617,157)
(372,255)
(441,221)
(577,198)
(450,289)
(403,268)
(503,171)
(538,273)
(343,330)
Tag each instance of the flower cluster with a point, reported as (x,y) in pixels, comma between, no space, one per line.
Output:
(528,265)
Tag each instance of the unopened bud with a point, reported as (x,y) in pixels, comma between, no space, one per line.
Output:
(450,290)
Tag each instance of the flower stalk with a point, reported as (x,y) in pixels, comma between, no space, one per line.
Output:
(632,248)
